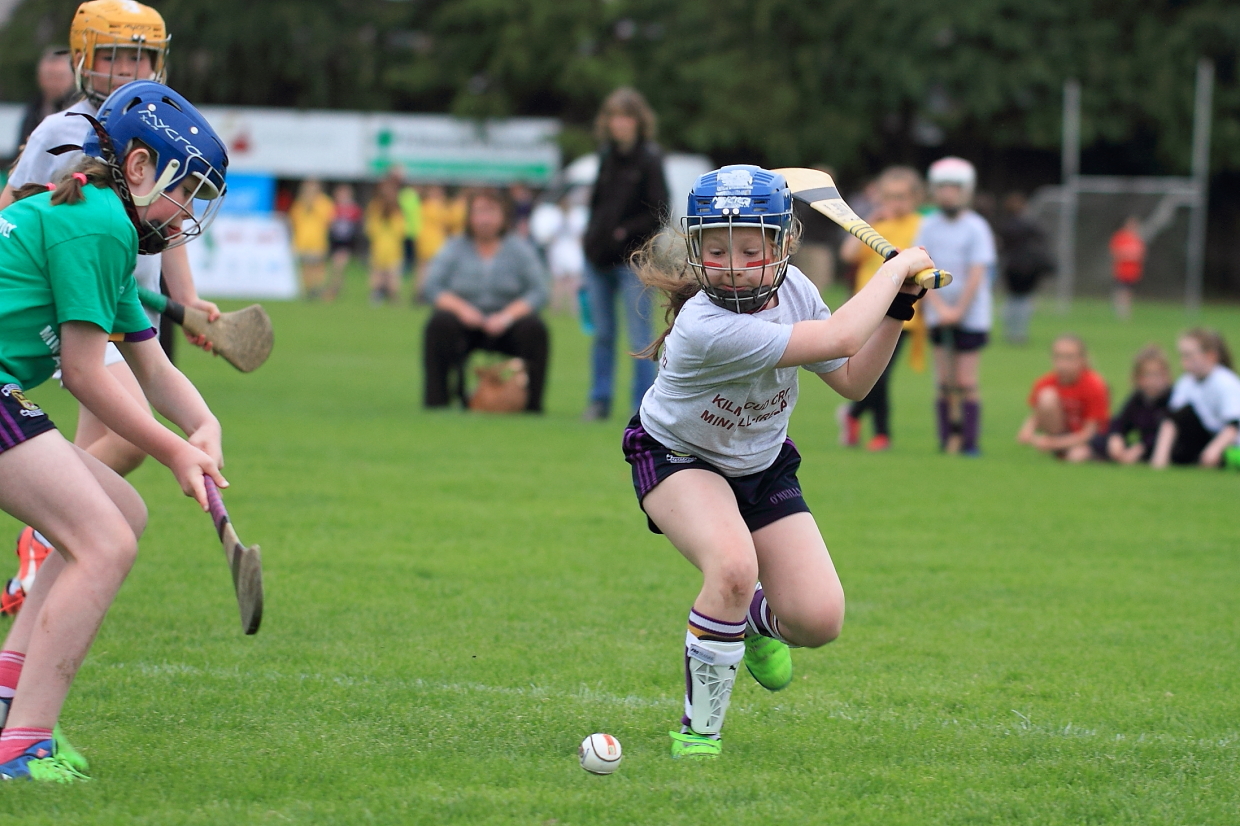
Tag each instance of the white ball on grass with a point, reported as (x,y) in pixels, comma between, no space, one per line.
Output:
(599,754)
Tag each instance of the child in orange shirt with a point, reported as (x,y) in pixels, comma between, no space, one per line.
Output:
(1069,405)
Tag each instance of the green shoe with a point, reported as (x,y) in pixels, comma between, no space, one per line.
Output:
(769,661)
(67,754)
(695,745)
(39,762)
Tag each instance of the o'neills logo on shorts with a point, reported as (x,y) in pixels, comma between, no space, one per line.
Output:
(29,408)
(679,458)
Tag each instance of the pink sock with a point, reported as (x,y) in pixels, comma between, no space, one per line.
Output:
(10,671)
(15,741)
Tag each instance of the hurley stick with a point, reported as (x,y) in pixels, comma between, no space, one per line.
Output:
(245,563)
(243,337)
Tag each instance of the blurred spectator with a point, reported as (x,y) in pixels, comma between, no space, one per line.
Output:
(385,233)
(558,228)
(435,229)
(411,208)
(310,217)
(345,228)
(522,205)
(57,89)
(958,315)
(820,237)
(1203,427)
(1069,404)
(1127,264)
(486,288)
(895,217)
(1026,260)
(1142,414)
(626,207)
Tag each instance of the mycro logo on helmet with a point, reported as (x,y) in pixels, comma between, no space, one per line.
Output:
(730,202)
(152,120)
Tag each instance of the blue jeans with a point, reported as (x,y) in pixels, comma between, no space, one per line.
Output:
(603,286)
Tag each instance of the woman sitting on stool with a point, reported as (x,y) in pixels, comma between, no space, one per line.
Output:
(486,287)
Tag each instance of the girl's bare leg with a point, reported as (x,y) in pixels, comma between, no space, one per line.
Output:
(93,517)
(799,580)
(697,511)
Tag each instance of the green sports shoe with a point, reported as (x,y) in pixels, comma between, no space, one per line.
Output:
(769,661)
(67,754)
(40,763)
(695,745)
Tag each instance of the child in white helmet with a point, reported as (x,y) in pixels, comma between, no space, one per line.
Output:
(959,315)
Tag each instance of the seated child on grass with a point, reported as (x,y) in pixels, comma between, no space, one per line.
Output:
(1203,427)
(1134,428)
(1069,404)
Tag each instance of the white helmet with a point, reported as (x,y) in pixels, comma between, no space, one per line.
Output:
(953,170)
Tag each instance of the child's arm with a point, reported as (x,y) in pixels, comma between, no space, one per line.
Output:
(1213,454)
(83,372)
(857,377)
(1066,441)
(181,289)
(1161,457)
(846,332)
(1027,431)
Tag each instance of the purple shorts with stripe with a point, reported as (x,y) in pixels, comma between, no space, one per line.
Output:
(20,418)
(762,498)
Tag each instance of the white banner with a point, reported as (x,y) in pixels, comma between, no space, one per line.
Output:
(291,143)
(244,256)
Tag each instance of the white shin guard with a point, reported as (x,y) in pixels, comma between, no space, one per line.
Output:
(710,669)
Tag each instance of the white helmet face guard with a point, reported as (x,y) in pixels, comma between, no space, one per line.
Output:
(191,218)
(726,289)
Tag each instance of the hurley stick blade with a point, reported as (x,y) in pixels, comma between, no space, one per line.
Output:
(816,188)
(244,562)
(244,338)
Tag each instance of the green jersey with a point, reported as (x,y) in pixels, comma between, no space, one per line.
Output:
(64,263)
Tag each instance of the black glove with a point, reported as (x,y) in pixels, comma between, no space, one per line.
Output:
(902,305)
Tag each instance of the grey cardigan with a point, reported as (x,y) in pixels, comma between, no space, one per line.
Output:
(515,272)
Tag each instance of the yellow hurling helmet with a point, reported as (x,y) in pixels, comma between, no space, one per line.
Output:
(104,28)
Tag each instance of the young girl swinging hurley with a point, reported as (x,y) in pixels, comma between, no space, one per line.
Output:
(713,467)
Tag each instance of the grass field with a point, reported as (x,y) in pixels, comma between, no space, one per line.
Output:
(455,601)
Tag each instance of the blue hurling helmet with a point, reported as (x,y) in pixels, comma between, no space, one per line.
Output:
(740,195)
(184,146)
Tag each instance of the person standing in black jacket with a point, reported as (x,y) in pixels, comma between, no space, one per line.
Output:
(626,209)
(1025,262)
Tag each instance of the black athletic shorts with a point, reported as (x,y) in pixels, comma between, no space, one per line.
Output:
(960,340)
(20,418)
(763,497)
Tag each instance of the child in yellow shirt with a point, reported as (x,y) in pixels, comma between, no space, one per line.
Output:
(901,191)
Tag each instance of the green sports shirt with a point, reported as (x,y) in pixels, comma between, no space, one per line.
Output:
(64,263)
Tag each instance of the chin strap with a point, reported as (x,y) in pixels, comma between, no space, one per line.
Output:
(150,240)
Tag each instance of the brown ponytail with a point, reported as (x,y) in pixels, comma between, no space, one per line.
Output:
(661,264)
(68,190)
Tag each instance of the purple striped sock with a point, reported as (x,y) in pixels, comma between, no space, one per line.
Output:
(761,619)
(709,628)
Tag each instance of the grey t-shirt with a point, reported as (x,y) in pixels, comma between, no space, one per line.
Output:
(719,395)
(514,272)
(956,245)
(37,166)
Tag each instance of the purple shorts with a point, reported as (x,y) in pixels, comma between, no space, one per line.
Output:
(762,498)
(20,418)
